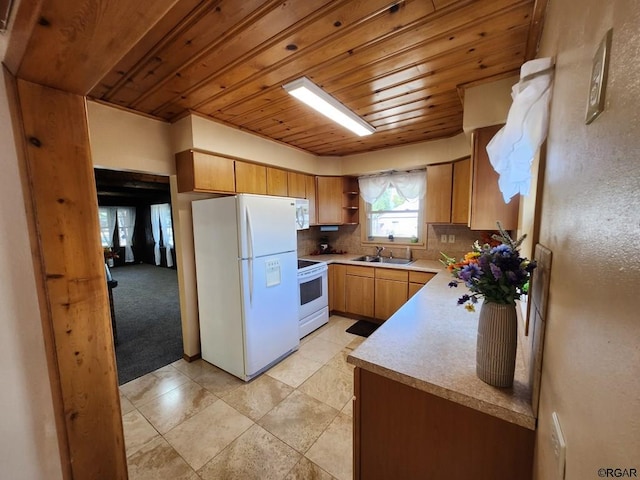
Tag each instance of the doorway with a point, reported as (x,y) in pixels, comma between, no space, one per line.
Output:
(137,240)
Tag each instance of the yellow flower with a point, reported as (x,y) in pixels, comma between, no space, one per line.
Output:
(471,256)
(470,307)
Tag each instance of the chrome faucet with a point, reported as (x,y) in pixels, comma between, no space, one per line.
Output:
(379,251)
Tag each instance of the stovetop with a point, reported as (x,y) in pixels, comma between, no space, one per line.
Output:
(306,263)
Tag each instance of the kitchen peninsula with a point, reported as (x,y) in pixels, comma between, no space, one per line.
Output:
(419,409)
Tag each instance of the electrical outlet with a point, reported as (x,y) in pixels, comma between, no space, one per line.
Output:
(443,238)
(452,239)
(558,444)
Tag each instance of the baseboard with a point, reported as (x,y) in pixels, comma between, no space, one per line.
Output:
(191,358)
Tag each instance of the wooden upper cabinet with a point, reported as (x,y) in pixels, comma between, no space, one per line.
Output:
(329,191)
(310,194)
(448,187)
(251,178)
(487,204)
(297,184)
(461,192)
(202,172)
(277,182)
(439,188)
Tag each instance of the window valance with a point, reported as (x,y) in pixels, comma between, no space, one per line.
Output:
(410,185)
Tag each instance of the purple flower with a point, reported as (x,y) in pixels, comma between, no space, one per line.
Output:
(495,270)
(503,250)
(469,272)
(463,299)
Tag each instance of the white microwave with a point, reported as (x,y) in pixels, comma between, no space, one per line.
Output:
(302,214)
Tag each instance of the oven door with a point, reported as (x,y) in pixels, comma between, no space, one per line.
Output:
(313,290)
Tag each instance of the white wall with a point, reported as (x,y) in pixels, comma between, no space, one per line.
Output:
(219,138)
(590,220)
(487,104)
(28,439)
(122,140)
(406,157)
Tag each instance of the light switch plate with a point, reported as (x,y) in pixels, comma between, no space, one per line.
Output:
(443,238)
(559,445)
(452,239)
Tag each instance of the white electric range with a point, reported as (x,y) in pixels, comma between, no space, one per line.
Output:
(313,291)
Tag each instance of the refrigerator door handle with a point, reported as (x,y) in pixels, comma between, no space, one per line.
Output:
(249,251)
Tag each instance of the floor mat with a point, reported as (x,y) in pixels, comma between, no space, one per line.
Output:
(363,328)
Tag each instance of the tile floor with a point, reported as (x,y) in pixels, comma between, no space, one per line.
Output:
(193,421)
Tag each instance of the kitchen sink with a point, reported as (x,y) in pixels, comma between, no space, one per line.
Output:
(392,261)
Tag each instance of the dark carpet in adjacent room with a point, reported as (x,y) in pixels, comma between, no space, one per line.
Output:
(147,312)
(363,328)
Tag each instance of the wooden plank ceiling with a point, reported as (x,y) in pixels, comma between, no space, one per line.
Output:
(397,64)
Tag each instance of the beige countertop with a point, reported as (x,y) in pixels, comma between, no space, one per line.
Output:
(347,258)
(430,344)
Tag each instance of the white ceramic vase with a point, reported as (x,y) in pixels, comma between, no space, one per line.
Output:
(497,343)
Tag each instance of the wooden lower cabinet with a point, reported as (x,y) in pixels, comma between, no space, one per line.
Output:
(404,433)
(337,293)
(391,292)
(376,293)
(417,280)
(359,288)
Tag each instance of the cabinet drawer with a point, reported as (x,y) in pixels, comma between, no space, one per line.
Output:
(420,277)
(391,274)
(360,271)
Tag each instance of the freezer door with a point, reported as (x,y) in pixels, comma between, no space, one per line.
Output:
(267,225)
(270,304)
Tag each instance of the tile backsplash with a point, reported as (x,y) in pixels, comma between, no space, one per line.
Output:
(347,238)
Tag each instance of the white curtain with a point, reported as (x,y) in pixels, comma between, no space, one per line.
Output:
(512,149)
(107,237)
(410,185)
(155,230)
(164,211)
(126,222)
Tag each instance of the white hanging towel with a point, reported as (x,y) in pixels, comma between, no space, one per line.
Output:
(512,149)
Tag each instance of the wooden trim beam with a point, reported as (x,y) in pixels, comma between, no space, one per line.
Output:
(73,294)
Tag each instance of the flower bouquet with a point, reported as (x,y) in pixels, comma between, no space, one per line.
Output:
(497,273)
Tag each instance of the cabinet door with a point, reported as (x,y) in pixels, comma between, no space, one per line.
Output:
(329,200)
(439,186)
(251,178)
(359,295)
(201,172)
(414,288)
(390,295)
(297,184)
(487,204)
(277,182)
(337,278)
(461,191)
(310,194)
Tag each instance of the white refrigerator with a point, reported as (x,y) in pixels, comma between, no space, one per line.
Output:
(246,271)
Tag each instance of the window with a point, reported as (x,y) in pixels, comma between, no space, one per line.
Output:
(122,217)
(394,206)
(107,216)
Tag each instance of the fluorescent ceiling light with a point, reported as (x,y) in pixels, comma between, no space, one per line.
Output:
(311,94)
